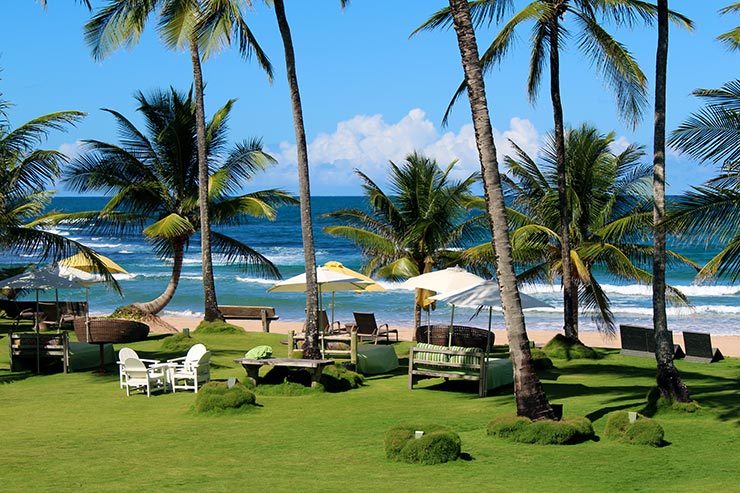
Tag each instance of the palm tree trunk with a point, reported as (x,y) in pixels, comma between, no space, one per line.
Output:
(211,311)
(570,315)
(311,348)
(157,304)
(669,381)
(531,400)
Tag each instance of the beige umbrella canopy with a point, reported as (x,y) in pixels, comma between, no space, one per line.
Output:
(372,285)
(82,262)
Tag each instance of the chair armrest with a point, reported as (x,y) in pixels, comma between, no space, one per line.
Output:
(383,325)
(175,360)
(152,361)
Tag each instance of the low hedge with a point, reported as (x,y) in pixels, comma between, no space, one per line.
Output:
(644,431)
(217,397)
(560,347)
(178,343)
(657,404)
(218,327)
(436,446)
(543,432)
(540,359)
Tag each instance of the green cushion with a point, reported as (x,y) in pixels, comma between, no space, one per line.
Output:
(465,359)
(442,358)
(259,352)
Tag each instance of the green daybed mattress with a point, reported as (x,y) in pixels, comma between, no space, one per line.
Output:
(374,359)
(84,356)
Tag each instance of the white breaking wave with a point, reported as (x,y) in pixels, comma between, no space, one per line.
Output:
(287,255)
(182,313)
(255,280)
(642,289)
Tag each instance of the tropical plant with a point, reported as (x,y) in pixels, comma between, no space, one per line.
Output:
(153,178)
(668,379)
(86,3)
(417,226)
(531,400)
(610,57)
(203,27)
(311,348)
(609,196)
(731,38)
(25,174)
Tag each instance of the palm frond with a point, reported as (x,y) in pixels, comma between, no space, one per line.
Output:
(241,254)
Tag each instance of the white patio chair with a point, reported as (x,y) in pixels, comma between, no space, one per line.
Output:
(194,354)
(137,376)
(126,353)
(192,374)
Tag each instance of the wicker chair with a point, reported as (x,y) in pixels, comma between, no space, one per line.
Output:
(461,336)
(110,330)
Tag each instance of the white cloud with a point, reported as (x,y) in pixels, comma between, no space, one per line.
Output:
(369,142)
(71,149)
(619,144)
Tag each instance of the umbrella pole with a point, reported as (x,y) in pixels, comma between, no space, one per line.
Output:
(59,314)
(452,323)
(429,324)
(488,339)
(87,314)
(332,310)
(38,337)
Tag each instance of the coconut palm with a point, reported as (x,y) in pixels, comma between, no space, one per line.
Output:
(668,379)
(311,347)
(609,196)
(611,58)
(153,178)
(416,226)
(203,27)
(25,174)
(531,400)
(731,38)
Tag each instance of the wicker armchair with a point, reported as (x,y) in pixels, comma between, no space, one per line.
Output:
(110,330)
(461,336)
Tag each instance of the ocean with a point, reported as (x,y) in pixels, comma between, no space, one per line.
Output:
(714,307)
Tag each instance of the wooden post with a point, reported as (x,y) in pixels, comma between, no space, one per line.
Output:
(291,343)
(65,350)
(483,388)
(353,347)
(411,369)
(265,323)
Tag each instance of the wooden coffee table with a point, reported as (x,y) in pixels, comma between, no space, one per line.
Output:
(314,366)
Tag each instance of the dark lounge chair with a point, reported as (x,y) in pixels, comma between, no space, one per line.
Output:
(367,328)
(699,348)
(640,341)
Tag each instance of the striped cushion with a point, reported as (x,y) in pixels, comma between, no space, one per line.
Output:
(465,359)
(442,358)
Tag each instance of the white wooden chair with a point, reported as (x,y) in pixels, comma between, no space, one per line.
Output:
(137,376)
(194,354)
(192,374)
(126,353)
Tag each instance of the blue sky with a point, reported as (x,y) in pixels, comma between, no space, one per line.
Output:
(370,94)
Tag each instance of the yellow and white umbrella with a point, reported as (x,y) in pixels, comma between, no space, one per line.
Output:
(81,262)
(372,285)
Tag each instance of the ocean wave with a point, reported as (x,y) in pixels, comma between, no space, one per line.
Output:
(255,280)
(182,313)
(94,244)
(288,255)
(642,289)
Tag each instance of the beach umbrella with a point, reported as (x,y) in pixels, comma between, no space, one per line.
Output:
(82,262)
(485,295)
(441,281)
(338,267)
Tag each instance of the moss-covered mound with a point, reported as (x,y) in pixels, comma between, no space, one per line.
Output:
(644,431)
(437,445)
(288,389)
(561,347)
(540,359)
(218,327)
(129,312)
(334,378)
(657,404)
(217,397)
(178,343)
(543,432)
(337,378)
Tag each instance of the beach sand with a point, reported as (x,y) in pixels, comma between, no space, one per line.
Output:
(729,345)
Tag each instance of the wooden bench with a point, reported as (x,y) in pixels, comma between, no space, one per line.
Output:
(314,366)
(32,351)
(640,341)
(264,313)
(295,341)
(699,348)
(421,365)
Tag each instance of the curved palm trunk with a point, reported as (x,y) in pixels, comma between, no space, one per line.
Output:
(311,348)
(531,400)
(211,311)
(570,290)
(669,381)
(157,304)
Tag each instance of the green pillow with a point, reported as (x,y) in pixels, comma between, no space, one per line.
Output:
(443,358)
(259,352)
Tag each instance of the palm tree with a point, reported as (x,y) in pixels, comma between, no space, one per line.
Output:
(731,39)
(531,400)
(713,210)
(610,57)
(311,348)
(153,177)
(418,226)
(203,27)
(669,381)
(609,196)
(25,174)
(86,3)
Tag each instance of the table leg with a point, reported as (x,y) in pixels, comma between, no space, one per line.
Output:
(253,373)
(316,376)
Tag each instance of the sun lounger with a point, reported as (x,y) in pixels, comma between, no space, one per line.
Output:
(640,341)
(699,348)
(367,328)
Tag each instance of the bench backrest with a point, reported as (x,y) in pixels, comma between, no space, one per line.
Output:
(254,312)
(698,344)
(637,338)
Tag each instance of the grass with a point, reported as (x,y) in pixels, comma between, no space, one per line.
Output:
(80,432)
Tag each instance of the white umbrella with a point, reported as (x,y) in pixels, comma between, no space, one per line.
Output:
(441,281)
(485,294)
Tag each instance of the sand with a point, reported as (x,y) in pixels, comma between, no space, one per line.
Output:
(728,344)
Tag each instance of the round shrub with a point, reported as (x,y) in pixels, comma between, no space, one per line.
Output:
(218,327)
(543,432)
(178,343)
(540,359)
(217,396)
(334,378)
(437,445)
(657,404)
(337,378)
(560,347)
(644,431)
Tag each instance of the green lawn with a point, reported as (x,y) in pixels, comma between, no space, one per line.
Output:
(80,432)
